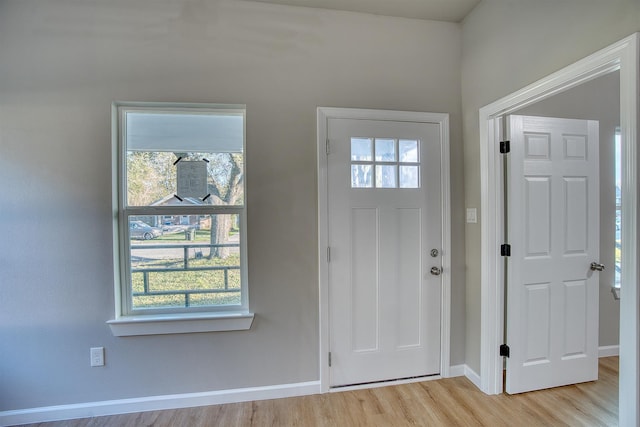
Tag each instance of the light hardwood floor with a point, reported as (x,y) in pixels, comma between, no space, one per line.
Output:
(446,402)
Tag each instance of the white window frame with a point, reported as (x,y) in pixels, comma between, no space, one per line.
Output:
(129,322)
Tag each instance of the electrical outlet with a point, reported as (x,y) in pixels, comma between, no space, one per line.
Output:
(97,356)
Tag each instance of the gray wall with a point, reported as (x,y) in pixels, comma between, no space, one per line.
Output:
(62,64)
(508,44)
(599,100)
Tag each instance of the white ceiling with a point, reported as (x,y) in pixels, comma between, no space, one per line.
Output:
(439,10)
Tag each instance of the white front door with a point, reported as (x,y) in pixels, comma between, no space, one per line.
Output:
(553,229)
(384,218)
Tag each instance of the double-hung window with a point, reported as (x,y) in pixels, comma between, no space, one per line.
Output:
(180,216)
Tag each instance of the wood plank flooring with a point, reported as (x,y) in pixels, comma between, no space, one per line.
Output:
(446,402)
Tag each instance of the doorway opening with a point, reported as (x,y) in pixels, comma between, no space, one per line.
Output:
(622,56)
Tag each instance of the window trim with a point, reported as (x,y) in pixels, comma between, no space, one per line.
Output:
(617,142)
(129,322)
(179,323)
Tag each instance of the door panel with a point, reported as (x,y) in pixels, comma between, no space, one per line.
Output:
(364,282)
(538,298)
(553,229)
(384,218)
(409,267)
(538,211)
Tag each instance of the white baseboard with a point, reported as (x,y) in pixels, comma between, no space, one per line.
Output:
(155,403)
(456,371)
(608,350)
(465,371)
(472,376)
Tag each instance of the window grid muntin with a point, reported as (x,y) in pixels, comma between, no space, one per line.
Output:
(374,163)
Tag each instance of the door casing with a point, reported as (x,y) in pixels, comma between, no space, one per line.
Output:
(624,56)
(442,119)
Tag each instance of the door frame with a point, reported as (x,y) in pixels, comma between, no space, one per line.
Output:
(441,119)
(623,56)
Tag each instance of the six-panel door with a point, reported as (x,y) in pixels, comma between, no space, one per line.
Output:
(553,222)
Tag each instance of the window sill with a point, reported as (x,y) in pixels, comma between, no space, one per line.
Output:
(161,324)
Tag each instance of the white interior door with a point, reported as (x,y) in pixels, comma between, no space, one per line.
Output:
(384,215)
(553,229)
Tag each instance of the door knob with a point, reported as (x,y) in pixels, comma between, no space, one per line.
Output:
(596,266)
(436,271)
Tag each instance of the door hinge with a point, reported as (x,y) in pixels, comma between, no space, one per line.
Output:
(328,147)
(329,359)
(505,250)
(505,147)
(328,254)
(504,350)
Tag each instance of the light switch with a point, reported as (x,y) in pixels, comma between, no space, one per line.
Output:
(472,215)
